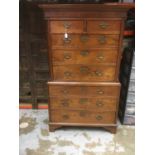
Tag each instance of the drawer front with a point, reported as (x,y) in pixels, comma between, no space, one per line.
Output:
(84,73)
(66,26)
(74,116)
(64,57)
(77,41)
(104,26)
(78,103)
(84,91)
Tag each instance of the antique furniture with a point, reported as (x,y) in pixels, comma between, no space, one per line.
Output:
(84,57)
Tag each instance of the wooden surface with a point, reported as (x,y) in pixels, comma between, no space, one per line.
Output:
(83,90)
(84,73)
(91,41)
(107,10)
(78,22)
(83,116)
(80,103)
(73,26)
(84,56)
(103,26)
(106,7)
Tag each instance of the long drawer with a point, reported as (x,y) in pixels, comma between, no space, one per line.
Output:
(87,117)
(83,103)
(84,73)
(84,89)
(84,56)
(77,41)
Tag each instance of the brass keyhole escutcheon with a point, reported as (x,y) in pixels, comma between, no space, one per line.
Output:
(84,53)
(83,113)
(83,100)
(98,73)
(99,104)
(83,89)
(67,74)
(84,38)
(84,69)
(67,25)
(65,116)
(103,25)
(67,40)
(100,92)
(99,117)
(65,91)
(100,57)
(65,102)
(67,56)
(101,39)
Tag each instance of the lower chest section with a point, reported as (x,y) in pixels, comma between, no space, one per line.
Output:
(83,102)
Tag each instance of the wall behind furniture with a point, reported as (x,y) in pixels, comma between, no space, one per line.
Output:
(34,71)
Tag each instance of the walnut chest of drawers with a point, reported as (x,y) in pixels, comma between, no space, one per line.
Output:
(84,57)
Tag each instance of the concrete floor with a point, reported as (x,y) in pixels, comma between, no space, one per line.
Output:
(36,140)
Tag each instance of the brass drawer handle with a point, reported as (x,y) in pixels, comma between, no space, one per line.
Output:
(65,91)
(67,40)
(84,38)
(83,100)
(82,113)
(100,57)
(100,92)
(65,103)
(67,56)
(65,116)
(67,25)
(67,74)
(84,53)
(103,25)
(99,104)
(98,73)
(101,39)
(84,69)
(99,117)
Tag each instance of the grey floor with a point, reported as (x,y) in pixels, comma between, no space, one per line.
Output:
(36,140)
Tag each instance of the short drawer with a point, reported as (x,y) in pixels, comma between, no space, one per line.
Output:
(84,73)
(80,103)
(84,56)
(70,26)
(84,89)
(77,41)
(104,26)
(74,116)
